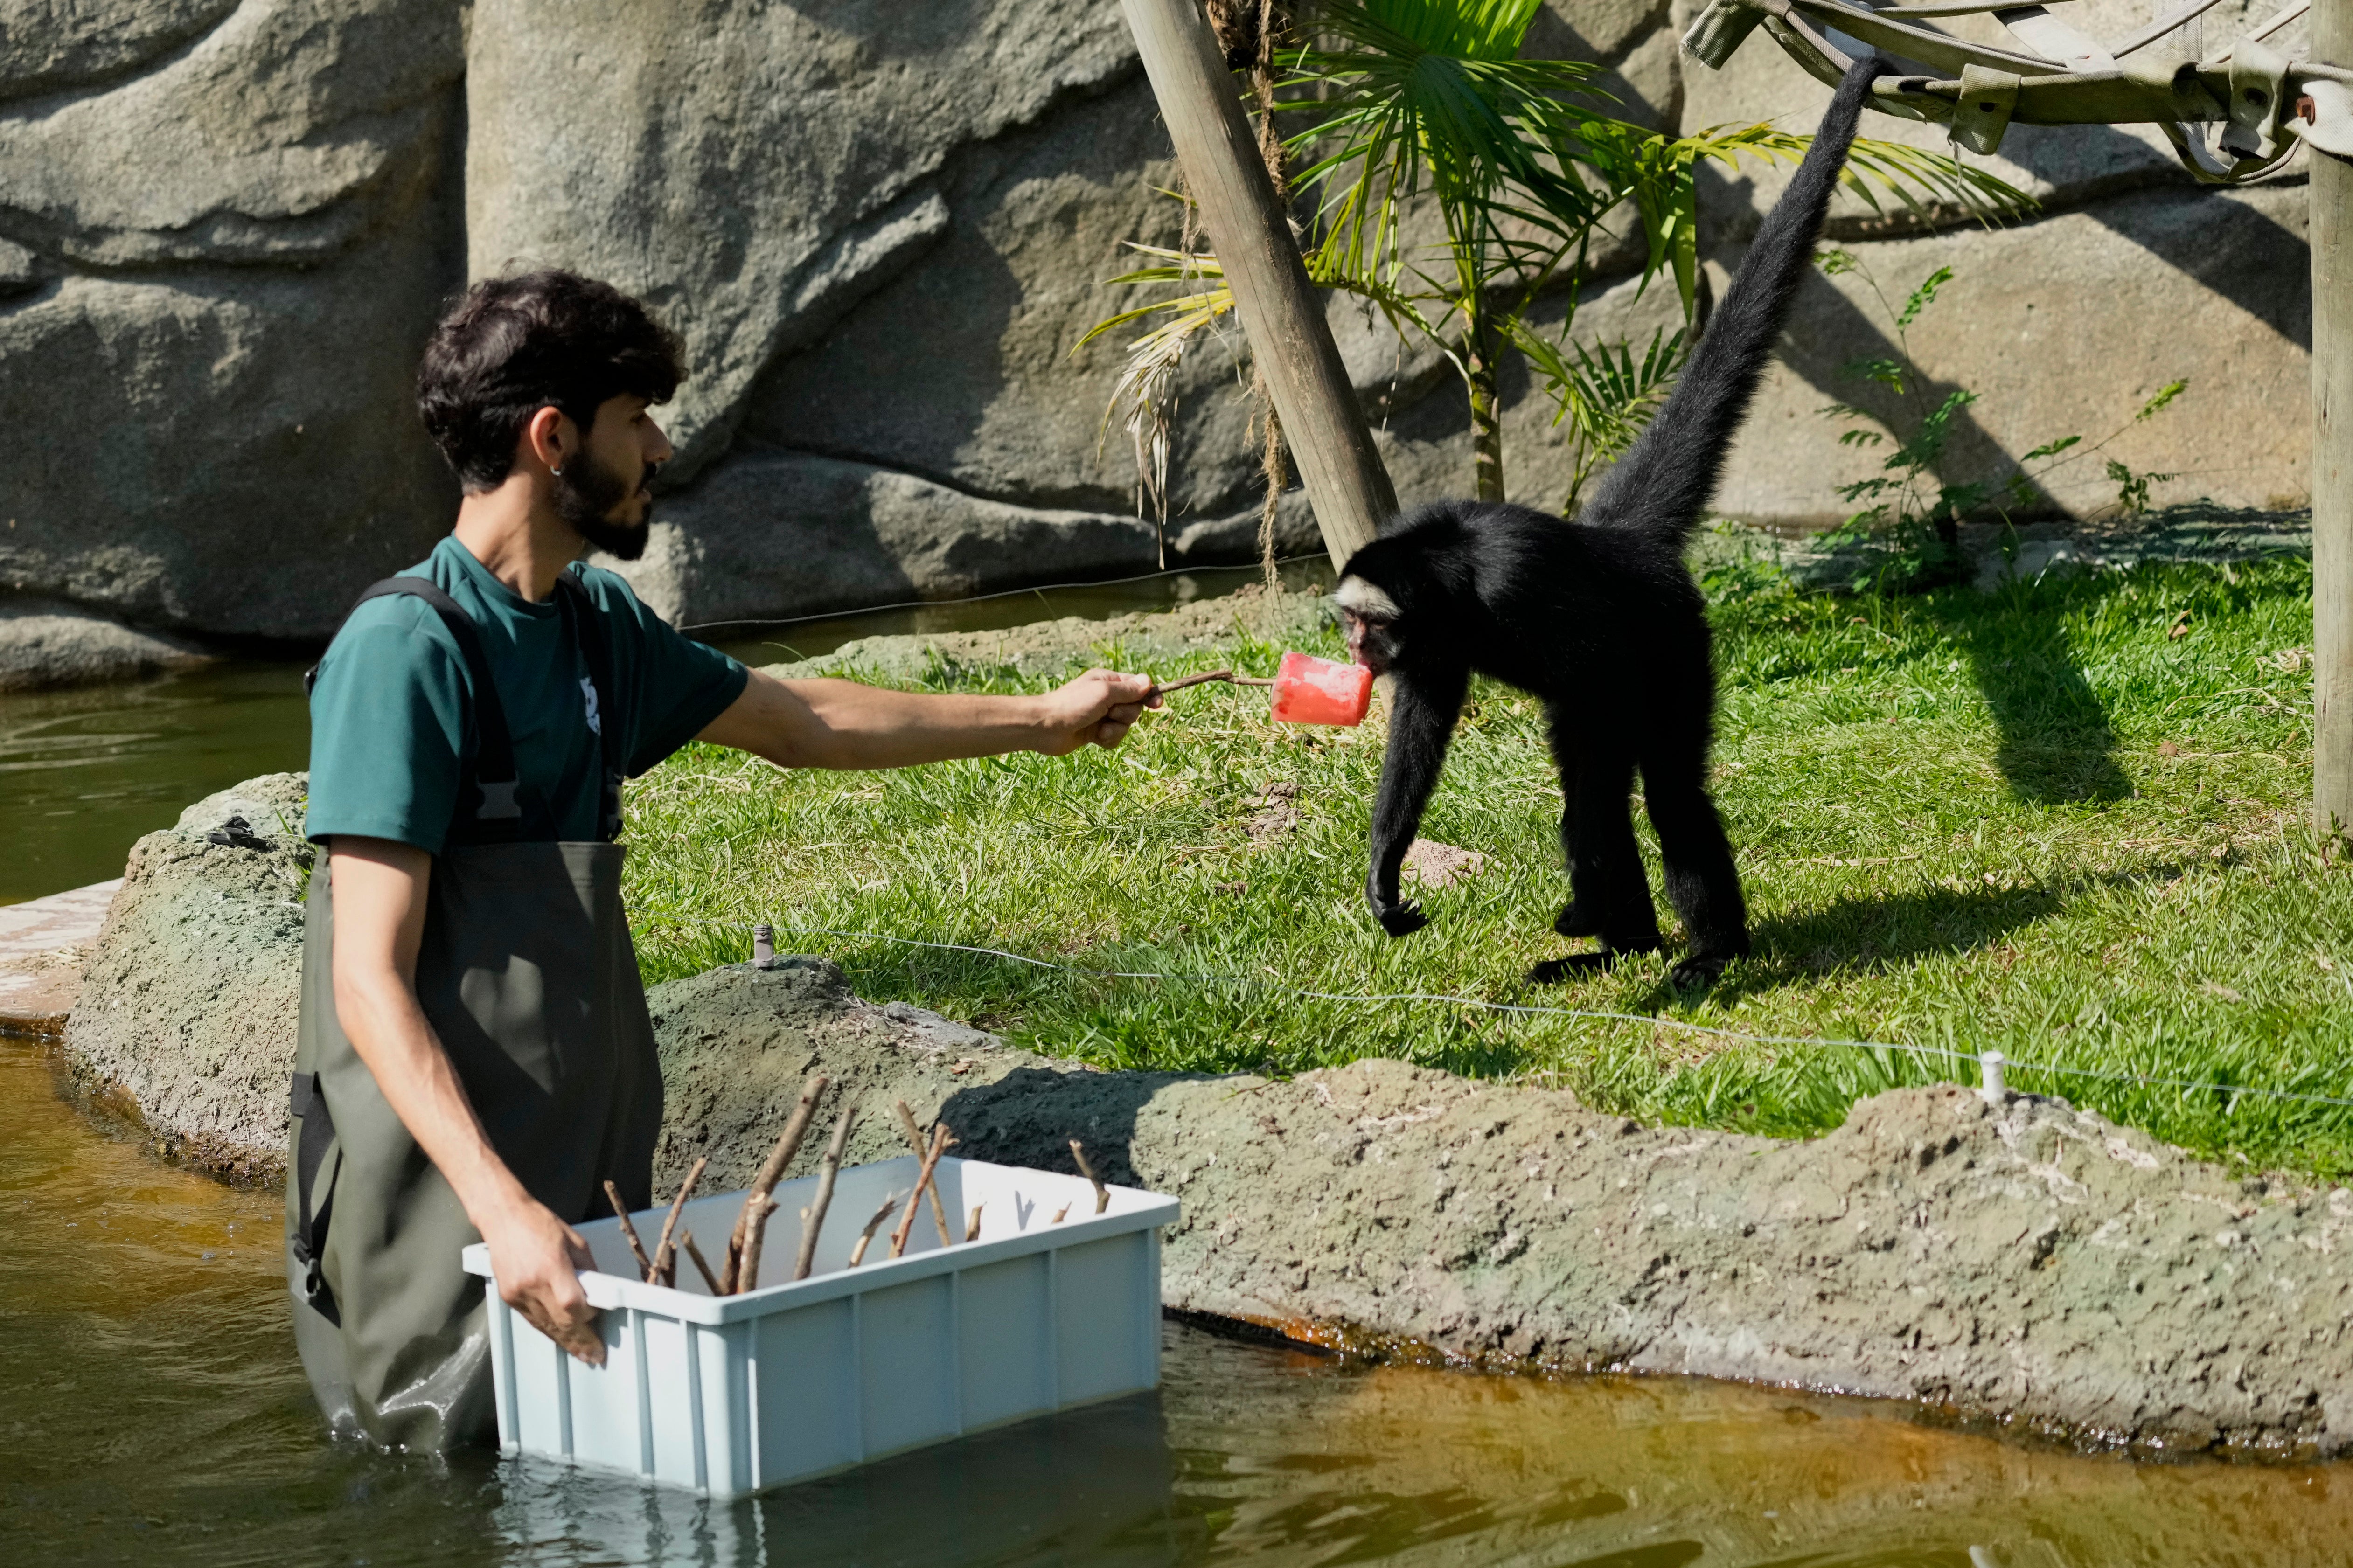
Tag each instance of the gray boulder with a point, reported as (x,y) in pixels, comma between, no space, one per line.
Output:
(228,232)
(44,643)
(773,533)
(185,1020)
(760,169)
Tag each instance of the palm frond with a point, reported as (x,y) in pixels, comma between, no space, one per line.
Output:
(1607,396)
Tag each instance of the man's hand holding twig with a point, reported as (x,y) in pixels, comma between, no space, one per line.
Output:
(1099,707)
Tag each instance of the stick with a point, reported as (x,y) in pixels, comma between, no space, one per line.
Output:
(858,1253)
(645,1264)
(748,1265)
(666,1254)
(940,1141)
(1162,688)
(972,1231)
(832,1168)
(686,1240)
(1059,1213)
(916,1141)
(1103,1194)
(772,1171)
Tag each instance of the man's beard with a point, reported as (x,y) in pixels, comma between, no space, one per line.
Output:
(586,493)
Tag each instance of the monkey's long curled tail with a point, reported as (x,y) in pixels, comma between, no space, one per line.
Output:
(1660,487)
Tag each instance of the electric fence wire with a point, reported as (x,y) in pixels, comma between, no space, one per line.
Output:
(983,598)
(2143,1081)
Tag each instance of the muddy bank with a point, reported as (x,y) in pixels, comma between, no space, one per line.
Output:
(2027,1264)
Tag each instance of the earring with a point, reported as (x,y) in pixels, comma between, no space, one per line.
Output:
(555,473)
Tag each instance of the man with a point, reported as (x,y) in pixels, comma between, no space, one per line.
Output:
(475,1057)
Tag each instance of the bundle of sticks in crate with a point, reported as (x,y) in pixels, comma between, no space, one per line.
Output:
(741,1268)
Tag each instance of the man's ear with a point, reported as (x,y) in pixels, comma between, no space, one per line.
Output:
(549,438)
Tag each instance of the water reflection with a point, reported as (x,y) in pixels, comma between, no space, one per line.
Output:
(1263,1456)
(88,770)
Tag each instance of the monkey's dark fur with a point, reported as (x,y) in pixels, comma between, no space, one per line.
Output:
(1601,619)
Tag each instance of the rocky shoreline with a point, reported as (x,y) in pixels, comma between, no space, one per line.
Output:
(2021,1265)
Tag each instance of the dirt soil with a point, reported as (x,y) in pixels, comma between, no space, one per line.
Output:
(2025,1265)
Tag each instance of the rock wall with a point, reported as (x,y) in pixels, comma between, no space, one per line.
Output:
(225,223)
(226,226)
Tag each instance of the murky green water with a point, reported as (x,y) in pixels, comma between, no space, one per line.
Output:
(86,771)
(152,1409)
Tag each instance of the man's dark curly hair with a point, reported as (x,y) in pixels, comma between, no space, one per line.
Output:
(515,345)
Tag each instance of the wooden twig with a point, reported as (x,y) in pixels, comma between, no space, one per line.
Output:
(814,1220)
(940,1141)
(739,1279)
(686,1240)
(1059,1213)
(748,1265)
(1162,688)
(645,1264)
(858,1253)
(972,1231)
(1103,1194)
(914,1136)
(665,1254)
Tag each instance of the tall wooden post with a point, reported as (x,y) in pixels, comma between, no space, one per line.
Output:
(1280,311)
(2332,454)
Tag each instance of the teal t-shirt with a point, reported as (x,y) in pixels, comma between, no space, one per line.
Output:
(389,715)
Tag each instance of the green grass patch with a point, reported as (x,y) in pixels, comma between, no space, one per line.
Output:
(2065,819)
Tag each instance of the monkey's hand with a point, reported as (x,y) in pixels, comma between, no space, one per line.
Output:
(1397,917)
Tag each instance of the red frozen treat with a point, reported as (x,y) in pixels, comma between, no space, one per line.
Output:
(1318,691)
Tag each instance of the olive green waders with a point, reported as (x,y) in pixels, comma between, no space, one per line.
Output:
(527,974)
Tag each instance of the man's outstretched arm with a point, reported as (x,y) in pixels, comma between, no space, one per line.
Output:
(841,724)
(380,888)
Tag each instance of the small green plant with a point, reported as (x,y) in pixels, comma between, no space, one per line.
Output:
(1908,528)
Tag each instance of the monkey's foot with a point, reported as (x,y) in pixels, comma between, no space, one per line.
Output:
(1401,920)
(1576,966)
(1696,973)
(1575,921)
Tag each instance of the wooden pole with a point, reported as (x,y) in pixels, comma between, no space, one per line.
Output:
(1280,313)
(2332,454)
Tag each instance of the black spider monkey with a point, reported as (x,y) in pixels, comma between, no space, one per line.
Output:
(1601,619)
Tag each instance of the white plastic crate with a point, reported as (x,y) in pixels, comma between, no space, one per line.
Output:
(733,1395)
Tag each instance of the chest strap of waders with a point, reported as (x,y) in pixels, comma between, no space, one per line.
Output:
(490,780)
(310,1224)
(588,629)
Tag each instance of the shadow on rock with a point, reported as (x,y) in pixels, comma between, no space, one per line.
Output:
(1030,1115)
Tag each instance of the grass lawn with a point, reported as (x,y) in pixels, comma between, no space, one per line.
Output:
(2063,819)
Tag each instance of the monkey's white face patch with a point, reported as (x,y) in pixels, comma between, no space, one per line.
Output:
(1359,598)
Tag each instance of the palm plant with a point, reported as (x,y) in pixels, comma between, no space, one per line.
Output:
(1415,101)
